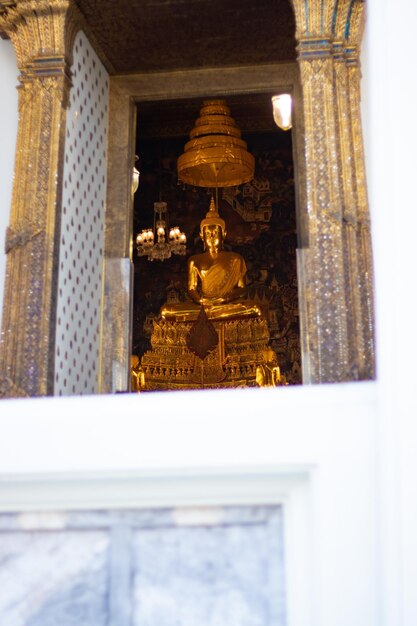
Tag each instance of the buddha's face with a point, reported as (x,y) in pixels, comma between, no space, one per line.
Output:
(213,237)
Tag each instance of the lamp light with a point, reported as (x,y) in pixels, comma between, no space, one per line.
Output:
(153,242)
(135,178)
(281,108)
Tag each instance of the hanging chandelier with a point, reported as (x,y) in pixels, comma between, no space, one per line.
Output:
(158,243)
(215,156)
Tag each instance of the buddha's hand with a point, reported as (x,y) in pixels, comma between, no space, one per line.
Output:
(195,296)
(209,302)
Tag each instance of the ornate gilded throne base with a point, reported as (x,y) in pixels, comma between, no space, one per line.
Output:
(242,357)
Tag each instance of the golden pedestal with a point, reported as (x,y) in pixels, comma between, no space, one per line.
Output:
(242,357)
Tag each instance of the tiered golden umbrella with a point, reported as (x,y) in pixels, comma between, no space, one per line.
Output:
(215,156)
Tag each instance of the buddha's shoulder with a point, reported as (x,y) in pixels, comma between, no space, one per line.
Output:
(232,256)
(197,258)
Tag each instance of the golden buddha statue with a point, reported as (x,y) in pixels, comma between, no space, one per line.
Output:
(216,279)
(241,356)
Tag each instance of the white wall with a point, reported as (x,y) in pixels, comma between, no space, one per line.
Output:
(8,133)
(392,136)
(226,447)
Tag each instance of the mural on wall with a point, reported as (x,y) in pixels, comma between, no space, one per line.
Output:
(261,226)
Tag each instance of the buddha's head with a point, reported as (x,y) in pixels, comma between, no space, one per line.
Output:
(212,229)
(212,237)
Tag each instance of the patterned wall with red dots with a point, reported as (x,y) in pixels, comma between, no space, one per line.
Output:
(82,226)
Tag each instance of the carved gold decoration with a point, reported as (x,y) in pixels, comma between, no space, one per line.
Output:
(341,18)
(20,237)
(241,358)
(312,18)
(9,390)
(42,33)
(356,24)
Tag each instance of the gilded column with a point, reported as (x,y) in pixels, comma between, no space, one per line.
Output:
(335,266)
(325,310)
(363,230)
(42,32)
(349,24)
(350,223)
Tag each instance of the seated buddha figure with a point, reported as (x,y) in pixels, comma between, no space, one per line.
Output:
(216,279)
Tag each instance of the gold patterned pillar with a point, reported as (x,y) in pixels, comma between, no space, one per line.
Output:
(349,221)
(357,245)
(42,33)
(331,270)
(363,230)
(324,284)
